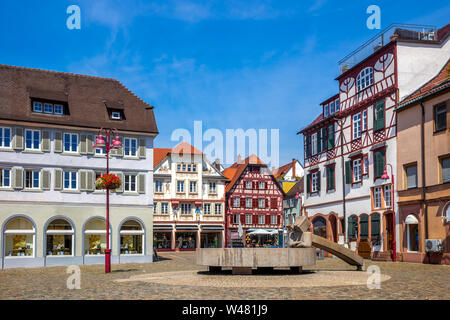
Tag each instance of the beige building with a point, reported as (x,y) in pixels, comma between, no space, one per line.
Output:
(423,171)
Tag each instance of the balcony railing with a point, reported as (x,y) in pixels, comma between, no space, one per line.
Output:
(397,30)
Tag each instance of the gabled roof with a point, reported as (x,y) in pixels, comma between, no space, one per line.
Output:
(440,82)
(87,97)
(185,148)
(159,154)
(282,170)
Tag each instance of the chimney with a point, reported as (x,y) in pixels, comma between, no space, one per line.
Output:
(217,164)
(239,160)
(293,168)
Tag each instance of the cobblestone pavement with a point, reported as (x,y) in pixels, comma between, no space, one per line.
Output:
(407,281)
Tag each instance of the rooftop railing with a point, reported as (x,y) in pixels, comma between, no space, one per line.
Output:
(395,30)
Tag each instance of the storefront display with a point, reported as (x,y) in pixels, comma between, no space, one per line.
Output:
(186,240)
(59,238)
(95,237)
(162,240)
(131,238)
(210,240)
(19,238)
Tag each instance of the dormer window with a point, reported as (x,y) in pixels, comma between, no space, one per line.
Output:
(336,105)
(37,107)
(115,115)
(58,109)
(331,107)
(365,78)
(325,110)
(47,107)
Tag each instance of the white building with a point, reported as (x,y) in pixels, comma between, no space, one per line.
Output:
(50,212)
(189,200)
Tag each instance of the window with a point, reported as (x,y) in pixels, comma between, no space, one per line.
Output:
(70,180)
(337,105)
(5,177)
(59,238)
(164,208)
(248,202)
(37,107)
(364,79)
(32,179)
(32,139)
(100,151)
(185,208)
(207,208)
(365,165)
(325,110)
(378,116)
(307,143)
(158,186)
(248,185)
(445,170)
(235,218)
(130,147)
(364,120)
(377,197)
(115,115)
(212,187)
(131,237)
(331,107)
(387,196)
(273,219)
(314,182)
(262,185)
(95,237)
(180,186)
(379,159)
(261,219)
(5,137)
(323,139)
(261,203)
(330,136)
(70,142)
(330,177)
(357,126)
(218,208)
(48,108)
(236,203)
(130,182)
(189,168)
(58,109)
(193,186)
(440,120)
(19,238)
(314,143)
(194,168)
(248,219)
(357,170)
(411,176)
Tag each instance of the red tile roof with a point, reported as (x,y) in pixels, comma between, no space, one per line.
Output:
(159,154)
(233,172)
(282,170)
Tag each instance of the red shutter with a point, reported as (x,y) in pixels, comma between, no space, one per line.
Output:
(253,185)
(255,203)
(267,203)
(242,202)
(267,219)
(265,185)
(278,219)
(242,217)
(245,184)
(255,219)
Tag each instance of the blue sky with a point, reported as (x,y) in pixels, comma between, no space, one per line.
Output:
(232,64)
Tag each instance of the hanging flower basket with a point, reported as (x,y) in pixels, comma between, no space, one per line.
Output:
(108,181)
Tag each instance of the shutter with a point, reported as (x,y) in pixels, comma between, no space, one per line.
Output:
(379,163)
(83,175)
(253,185)
(120,175)
(330,136)
(375,224)
(58,141)
(18,178)
(242,201)
(58,179)
(364,225)
(90,185)
(265,185)
(319,141)
(308,183)
(324,139)
(45,179)
(90,144)
(267,218)
(119,151)
(379,115)
(255,219)
(141,148)
(266,203)
(141,183)
(318,180)
(18,138)
(255,203)
(242,217)
(245,184)
(348,172)
(308,146)
(83,147)
(328,171)
(112,152)
(46,141)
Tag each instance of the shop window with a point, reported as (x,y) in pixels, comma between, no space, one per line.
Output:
(19,238)
(162,240)
(210,240)
(59,238)
(186,240)
(95,237)
(320,227)
(131,238)
(412,233)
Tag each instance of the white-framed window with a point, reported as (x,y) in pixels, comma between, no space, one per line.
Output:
(130,182)
(207,208)
(262,185)
(261,203)
(357,126)
(377,197)
(5,177)
(314,182)
(212,187)
(37,106)
(19,238)
(5,137)
(261,219)
(185,208)
(130,148)
(158,186)
(248,219)
(325,110)
(180,186)
(131,238)
(387,195)
(365,166)
(314,143)
(164,207)
(218,208)
(331,107)
(70,142)
(48,108)
(364,120)
(32,179)
(59,238)
(236,218)
(193,186)
(364,78)
(32,139)
(58,109)
(273,219)
(336,105)
(115,115)
(248,202)
(236,203)
(248,185)
(70,180)
(357,170)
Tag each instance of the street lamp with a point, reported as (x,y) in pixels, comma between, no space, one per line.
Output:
(108,145)
(385,176)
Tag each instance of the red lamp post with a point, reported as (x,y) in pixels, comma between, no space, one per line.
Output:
(385,176)
(115,144)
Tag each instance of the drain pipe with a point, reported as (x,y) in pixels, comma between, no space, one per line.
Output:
(422,151)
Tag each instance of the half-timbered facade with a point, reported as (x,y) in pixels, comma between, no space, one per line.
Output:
(353,140)
(254,200)
(189,195)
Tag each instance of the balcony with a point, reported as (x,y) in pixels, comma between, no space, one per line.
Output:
(394,31)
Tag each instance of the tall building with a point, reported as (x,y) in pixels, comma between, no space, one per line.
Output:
(51,213)
(353,140)
(423,171)
(189,192)
(254,201)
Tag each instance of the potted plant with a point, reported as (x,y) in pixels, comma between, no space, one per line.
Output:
(108,181)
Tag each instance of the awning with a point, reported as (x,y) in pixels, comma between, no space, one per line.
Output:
(219,227)
(186,227)
(411,219)
(162,227)
(264,231)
